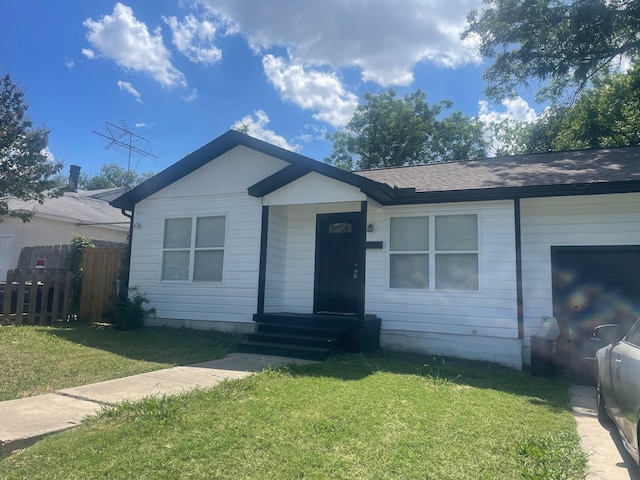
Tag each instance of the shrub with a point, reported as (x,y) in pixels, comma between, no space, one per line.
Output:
(127,312)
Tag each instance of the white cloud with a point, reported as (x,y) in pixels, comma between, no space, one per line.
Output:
(141,125)
(194,38)
(385,39)
(127,87)
(311,90)
(87,52)
(48,154)
(70,64)
(127,41)
(255,125)
(193,94)
(517,110)
(312,132)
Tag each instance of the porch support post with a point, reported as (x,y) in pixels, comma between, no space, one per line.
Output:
(262,272)
(519,294)
(362,259)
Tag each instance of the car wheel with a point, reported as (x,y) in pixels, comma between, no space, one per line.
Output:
(603,416)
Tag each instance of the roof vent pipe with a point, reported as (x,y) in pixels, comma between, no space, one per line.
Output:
(74,176)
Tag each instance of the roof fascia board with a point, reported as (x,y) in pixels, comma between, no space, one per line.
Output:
(180,169)
(277,180)
(509,193)
(377,191)
(223,144)
(78,222)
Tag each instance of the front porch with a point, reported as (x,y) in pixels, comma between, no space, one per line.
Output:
(312,336)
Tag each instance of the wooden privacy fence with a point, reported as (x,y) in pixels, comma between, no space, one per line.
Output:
(101,268)
(35,296)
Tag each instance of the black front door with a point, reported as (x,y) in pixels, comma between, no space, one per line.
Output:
(339,278)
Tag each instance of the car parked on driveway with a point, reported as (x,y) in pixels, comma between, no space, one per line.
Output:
(618,382)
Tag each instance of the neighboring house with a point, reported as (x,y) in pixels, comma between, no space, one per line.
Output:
(57,220)
(461,259)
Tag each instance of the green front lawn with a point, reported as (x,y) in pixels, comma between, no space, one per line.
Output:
(37,360)
(386,416)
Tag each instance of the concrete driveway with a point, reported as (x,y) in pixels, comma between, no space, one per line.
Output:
(608,459)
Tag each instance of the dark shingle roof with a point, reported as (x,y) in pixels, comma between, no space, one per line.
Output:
(613,170)
(548,169)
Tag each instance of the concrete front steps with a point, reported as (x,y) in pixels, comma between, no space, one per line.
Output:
(312,337)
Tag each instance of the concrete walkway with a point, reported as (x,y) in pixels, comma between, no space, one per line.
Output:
(608,459)
(25,421)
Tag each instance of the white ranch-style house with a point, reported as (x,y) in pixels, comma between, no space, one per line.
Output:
(459,259)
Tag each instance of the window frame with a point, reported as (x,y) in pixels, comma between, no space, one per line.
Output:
(414,252)
(192,249)
(433,253)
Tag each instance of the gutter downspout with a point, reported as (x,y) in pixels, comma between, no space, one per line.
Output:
(519,294)
(262,270)
(124,291)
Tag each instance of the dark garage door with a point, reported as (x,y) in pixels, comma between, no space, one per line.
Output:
(592,286)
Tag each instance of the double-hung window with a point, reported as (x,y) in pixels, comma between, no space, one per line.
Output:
(193,249)
(437,252)
(409,245)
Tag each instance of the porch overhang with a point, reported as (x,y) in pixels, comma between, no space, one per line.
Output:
(379,192)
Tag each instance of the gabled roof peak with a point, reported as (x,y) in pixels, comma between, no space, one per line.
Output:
(543,174)
(227,142)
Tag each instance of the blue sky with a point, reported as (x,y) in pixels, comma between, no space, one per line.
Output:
(179,73)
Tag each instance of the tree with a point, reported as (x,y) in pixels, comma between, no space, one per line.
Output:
(561,44)
(606,115)
(387,131)
(112,175)
(26,170)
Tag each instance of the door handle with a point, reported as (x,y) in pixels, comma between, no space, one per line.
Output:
(355,273)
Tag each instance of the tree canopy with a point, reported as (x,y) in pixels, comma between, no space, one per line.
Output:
(112,175)
(606,115)
(387,131)
(558,43)
(26,170)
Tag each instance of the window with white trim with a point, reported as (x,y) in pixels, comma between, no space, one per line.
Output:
(438,252)
(193,249)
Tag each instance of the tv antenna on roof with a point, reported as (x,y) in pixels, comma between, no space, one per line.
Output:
(120,136)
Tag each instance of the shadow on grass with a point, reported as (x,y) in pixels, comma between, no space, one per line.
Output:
(152,344)
(551,392)
(188,346)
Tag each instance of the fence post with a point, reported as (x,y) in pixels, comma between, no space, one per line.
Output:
(55,304)
(33,296)
(44,299)
(8,297)
(20,278)
(67,295)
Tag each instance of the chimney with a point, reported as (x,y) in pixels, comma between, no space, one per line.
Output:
(74,175)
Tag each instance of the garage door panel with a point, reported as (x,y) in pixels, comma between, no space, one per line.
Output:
(592,286)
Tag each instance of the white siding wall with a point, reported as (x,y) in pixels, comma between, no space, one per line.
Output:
(480,325)
(568,221)
(314,188)
(218,188)
(45,231)
(296,280)
(276,259)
